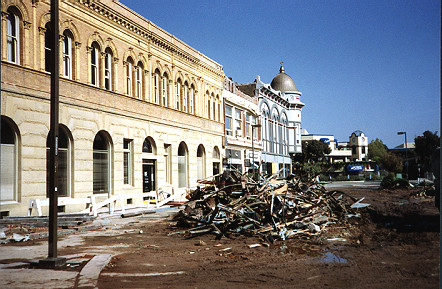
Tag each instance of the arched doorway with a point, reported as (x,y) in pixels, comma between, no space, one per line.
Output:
(149,165)
(201,162)
(182,165)
(101,163)
(9,160)
(216,161)
(64,162)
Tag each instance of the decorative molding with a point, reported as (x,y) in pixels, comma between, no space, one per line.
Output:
(155,39)
(27,25)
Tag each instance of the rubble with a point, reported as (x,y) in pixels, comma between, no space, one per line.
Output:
(233,204)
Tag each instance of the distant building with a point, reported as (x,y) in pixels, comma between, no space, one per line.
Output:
(410,162)
(359,146)
(242,140)
(339,151)
(280,112)
(355,150)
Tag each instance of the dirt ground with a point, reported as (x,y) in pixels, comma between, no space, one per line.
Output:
(394,245)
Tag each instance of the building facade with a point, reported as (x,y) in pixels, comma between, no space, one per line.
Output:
(355,150)
(242,137)
(280,112)
(140,110)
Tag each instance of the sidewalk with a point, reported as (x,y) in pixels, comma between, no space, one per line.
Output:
(19,261)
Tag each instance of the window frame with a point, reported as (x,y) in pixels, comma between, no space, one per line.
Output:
(95,51)
(165,90)
(228,120)
(108,69)
(129,78)
(13,37)
(178,95)
(67,55)
(191,99)
(139,81)
(128,162)
(238,122)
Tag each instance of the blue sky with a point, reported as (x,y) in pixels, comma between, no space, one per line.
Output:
(360,65)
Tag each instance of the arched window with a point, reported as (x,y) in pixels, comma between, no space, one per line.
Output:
(201,162)
(140,80)
(182,165)
(178,94)
(275,139)
(129,79)
(13,36)
(285,135)
(147,146)
(185,99)
(218,118)
(67,54)
(64,162)
(165,87)
(95,56)
(101,163)
(9,160)
(208,106)
(156,86)
(206,103)
(216,160)
(48,46)
(213,106)
(192,99)
(266,129)
(108,69)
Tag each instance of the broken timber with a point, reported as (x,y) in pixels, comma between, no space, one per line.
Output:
(231,204)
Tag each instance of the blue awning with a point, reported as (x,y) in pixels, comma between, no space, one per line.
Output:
(354,168)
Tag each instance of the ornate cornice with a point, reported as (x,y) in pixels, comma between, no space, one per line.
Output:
(151,37)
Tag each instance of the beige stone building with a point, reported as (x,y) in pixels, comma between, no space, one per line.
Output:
(140,110)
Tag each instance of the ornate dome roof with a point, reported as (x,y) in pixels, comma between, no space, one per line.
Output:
(283,82)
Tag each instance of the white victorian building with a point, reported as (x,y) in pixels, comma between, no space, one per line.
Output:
(280,108)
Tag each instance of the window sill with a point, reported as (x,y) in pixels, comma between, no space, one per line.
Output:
(6,203)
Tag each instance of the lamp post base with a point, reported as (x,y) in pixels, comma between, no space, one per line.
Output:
(51,263)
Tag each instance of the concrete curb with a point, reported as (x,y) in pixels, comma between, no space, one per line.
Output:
(88,276)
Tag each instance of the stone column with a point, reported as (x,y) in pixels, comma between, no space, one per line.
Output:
(76,62)
(145,87)
(88,66)
(4,35)
(61,62)
(114,75)
(42,31)
(101,69)
(27,44)
(34,35)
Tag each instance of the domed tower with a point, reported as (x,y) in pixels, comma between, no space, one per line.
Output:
(283,82)
(280,108)
(285,87)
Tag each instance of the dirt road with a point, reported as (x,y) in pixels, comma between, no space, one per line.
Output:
(394,245)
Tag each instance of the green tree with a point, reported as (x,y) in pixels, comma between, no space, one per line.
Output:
(377,150)
(314,150)
(391,162)
(425,146)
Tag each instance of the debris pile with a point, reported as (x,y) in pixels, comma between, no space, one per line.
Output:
(230,204)
(21,229)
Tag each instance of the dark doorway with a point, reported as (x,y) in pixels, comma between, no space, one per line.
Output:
(215,168)
(148,175)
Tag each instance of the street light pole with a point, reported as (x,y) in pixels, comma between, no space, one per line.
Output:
(53,260)
(253,147)
(406,150)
